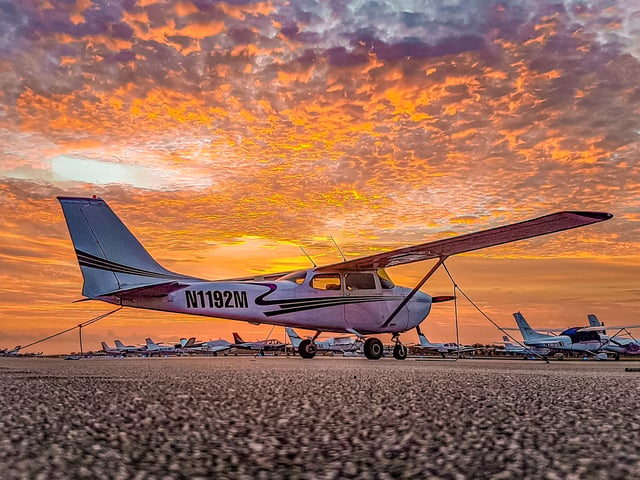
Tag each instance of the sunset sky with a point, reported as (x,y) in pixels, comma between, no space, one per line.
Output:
(226,134)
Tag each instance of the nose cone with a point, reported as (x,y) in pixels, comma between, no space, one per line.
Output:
(419,308)
(422,297)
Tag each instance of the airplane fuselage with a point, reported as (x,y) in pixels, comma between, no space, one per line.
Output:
(337,302)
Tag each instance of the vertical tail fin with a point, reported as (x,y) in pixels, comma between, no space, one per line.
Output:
(424,341)
(105,347)
(237,339)
(593,320)
(110,257)
(527,332)
(119,345)
(294,337)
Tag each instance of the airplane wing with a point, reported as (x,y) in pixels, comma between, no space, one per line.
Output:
(555,222)
(606,327)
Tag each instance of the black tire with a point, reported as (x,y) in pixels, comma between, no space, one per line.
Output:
(400,352)
(373,349)
(307,349)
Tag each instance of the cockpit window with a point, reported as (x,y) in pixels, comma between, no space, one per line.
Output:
(296,277)
(359,281)
(326,281)
(577,335)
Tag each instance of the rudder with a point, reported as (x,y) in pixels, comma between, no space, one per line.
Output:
(527,332)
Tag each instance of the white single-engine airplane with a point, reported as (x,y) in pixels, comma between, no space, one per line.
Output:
(267,345)
(443,349)
(335,344)
(354,296)
(153,348)
(212,346)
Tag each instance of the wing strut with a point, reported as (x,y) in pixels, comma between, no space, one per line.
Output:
(415,290)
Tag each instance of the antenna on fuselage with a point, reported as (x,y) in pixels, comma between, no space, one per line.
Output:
(308,256)
(344,259)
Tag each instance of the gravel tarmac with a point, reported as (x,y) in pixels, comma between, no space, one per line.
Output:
(326,418)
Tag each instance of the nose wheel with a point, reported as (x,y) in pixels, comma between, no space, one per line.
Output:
(399,352)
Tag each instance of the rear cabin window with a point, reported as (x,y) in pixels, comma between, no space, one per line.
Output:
(360,281)
(326,282)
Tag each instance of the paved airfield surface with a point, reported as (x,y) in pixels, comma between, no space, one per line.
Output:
(279,417)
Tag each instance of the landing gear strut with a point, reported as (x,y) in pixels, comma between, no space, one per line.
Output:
(373,348)
(399,350)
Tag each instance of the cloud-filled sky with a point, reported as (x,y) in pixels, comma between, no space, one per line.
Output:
(226,134)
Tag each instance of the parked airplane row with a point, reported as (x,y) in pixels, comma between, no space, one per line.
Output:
(10,352)
(185,345)
(591,340)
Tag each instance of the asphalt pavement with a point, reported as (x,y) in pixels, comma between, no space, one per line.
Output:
(325,418)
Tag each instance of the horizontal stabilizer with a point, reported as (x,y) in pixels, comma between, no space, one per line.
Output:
(155,290)
(555,222)
(442,298)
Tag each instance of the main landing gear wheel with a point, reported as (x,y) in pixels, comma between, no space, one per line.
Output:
(373,349)
(307,349)
(399,352)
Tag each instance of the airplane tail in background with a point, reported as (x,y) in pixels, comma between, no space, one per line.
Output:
(106,347)
(527,332)
(510,347)
(119,345)
(593,321)
(111,259)
(237,339)
(424,342)
(294,337)
(184,343)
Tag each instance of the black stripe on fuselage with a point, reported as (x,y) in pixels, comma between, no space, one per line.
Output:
(308,304)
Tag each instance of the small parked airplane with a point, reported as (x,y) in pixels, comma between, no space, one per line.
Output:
(212,346)
(355,296)
(335,344)
(112,352)
(124,349)
(13,352)
(590,339)
(267,345)
(153,348)
(443,349)
(520,350)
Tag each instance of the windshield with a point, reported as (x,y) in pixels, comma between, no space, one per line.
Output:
(295,277)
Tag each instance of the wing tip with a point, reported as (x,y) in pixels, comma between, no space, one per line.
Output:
(596,216)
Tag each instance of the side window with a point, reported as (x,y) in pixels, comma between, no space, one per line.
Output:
(360,281)
(328,281)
